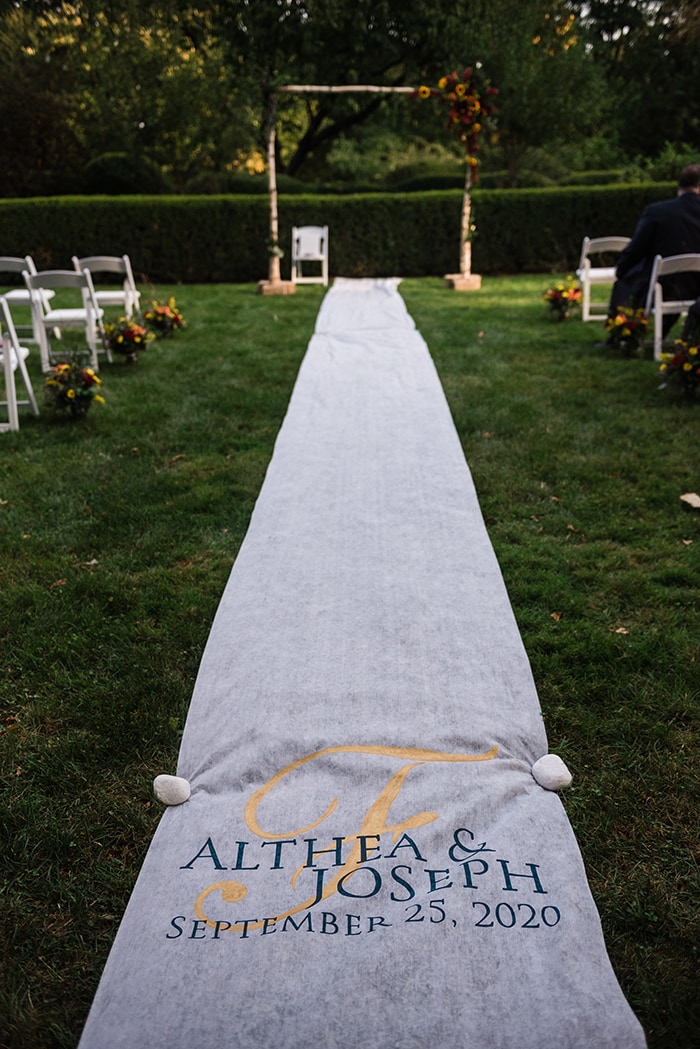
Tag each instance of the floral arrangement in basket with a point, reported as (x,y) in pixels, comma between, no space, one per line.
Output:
(682,368)
(468,100)
(562,298)
(164,318)
(72,386)
(127,338)
(627,329)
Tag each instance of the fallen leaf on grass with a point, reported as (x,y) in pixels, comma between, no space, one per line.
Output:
(556,616)
(619,630)
(59,582)
(692,499)
(687,542)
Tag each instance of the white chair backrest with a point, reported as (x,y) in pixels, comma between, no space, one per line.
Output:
(601,246)
(50,279)
(120,264)
(13,264)
(101,264)
(310,242)
(662,267)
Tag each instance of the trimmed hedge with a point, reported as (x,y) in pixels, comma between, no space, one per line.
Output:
(206,239)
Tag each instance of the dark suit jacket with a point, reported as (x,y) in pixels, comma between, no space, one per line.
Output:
(669,227)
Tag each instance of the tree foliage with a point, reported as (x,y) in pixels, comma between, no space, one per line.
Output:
(193,88)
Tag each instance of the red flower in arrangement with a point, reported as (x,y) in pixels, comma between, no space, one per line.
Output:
(469,101)
(127,338)
(683,367)
(164,319)
(562,298)
(73,386)
(627,329)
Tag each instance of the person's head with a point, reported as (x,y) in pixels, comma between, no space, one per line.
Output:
(689,179)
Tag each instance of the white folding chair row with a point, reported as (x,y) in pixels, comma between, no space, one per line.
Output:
(661,306)
(590,275)
(309,244)
(87,316)
(12,358)
(127,297)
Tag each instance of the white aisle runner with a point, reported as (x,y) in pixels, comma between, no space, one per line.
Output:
(366,858)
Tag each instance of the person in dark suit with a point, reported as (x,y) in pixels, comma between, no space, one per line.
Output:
(669,227)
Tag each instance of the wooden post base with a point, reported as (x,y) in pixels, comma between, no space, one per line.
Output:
(276,287)
(463,281)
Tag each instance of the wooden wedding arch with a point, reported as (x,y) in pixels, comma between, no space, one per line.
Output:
(465,280)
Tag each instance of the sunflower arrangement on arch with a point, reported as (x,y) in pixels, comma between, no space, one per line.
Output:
(468,99)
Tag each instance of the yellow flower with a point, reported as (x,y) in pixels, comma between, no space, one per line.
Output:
(687,367)
(472,161)
(460,90)
(423,91)
(442,83)
(70,393)
(693,351)
(99,398)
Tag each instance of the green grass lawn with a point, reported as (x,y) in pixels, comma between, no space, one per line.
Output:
(118,534)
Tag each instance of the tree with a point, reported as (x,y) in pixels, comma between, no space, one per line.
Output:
(386,42)
(550,88)
(646,50)
(39,147)
(92,82)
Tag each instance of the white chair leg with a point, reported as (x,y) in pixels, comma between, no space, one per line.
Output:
(658,334)
(28,385)
(10,390)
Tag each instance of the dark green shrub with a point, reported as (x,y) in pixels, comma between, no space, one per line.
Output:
(426,183)
(223,238)
(593,178)
(120,173)
(240,182)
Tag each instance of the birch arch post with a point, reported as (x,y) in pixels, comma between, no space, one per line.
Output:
(463,113)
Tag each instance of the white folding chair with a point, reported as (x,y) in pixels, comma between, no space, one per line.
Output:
(603,272)
(128,297)
(656,300)
(13,357)
(20,296)
(87,316)
(309,244)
